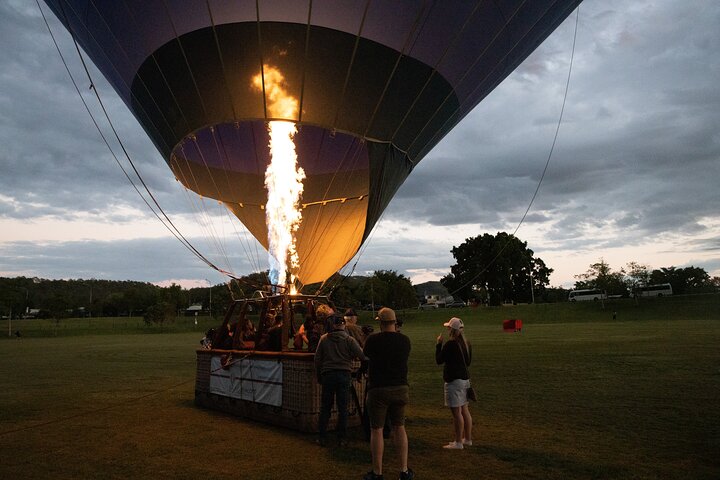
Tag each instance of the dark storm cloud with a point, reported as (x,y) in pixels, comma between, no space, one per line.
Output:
(638,142)
(638,150)
(151,260)
(62,166)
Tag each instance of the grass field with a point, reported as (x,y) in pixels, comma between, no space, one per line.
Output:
(576,395)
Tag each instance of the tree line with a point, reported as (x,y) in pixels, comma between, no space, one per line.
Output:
(57,299)
(496,269)
(687,280)
(489,269)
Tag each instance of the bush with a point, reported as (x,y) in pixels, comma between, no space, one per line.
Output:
(159,313)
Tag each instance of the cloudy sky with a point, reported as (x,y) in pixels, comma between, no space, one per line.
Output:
(634,176)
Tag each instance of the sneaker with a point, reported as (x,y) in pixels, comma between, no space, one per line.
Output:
(321,441)
(342,443)
(454,446)
(371,475)
(409,475)
(467,443)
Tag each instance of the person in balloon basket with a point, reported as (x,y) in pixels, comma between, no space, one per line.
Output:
(333,365)
(314,327)
(456,354)
(353,329)
(388,392)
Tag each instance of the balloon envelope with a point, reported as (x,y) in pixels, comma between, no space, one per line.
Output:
(378,85)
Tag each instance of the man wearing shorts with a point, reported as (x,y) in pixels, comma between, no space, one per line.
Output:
(388,392)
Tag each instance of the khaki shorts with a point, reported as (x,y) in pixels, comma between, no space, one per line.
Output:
(387,401)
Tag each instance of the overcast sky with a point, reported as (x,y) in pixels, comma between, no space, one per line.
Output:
(634,176)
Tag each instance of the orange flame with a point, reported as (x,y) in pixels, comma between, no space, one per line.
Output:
(283,178)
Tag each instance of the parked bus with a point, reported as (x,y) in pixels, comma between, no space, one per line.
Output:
(584,295)
(658,290)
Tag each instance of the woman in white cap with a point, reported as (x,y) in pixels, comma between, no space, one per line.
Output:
(456,354)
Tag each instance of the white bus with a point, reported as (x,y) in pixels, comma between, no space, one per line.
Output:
(585,295)
(659,290)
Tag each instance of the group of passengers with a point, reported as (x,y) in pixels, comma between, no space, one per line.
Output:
(269,336)
(338,342)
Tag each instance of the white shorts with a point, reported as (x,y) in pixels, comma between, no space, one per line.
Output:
(456,393)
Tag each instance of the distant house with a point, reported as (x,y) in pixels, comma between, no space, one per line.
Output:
(194,309)
(432,293)
(31,313)
(439,300)
(431,288)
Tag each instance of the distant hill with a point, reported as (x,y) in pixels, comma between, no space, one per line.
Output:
(430,288)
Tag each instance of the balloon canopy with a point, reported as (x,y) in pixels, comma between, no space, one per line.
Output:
(378,84)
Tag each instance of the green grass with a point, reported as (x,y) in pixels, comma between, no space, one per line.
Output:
(36,328)
(575,396)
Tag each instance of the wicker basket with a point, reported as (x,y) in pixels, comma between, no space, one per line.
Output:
(300,409)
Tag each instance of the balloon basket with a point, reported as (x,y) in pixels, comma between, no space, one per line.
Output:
(295,403)
(273,387)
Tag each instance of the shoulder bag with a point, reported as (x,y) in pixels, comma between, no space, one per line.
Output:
(470,391)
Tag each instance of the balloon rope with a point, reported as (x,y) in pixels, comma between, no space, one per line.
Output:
(547,163)
(174,230)
(353,152)
(244,242)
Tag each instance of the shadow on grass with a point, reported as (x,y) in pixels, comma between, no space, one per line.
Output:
(551,462)
(356,453)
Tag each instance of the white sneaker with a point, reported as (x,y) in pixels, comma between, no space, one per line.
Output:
(467,443)
(454,446)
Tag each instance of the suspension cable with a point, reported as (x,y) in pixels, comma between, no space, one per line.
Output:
(547,162)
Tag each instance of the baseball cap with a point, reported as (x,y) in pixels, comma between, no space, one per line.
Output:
(454,323)
(338,320)
(386,315)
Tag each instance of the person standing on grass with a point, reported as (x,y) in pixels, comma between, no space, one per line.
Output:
(333,364)
(388,392)
(456,354)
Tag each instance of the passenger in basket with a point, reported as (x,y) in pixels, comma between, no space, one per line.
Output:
(301,336)
(275,334)
(333,364)
(456,354)
(247,335)
(352,327)
(324,314)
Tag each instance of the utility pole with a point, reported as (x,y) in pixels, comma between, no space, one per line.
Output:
(210,297)
(532,291)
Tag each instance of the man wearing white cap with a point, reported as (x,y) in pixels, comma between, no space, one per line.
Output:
(456,354)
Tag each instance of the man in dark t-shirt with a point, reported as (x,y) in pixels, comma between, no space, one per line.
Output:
(388,391)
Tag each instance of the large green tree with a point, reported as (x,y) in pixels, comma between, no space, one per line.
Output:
(637,274)
(497,268)
(388,288)
(684,280)
(601,276)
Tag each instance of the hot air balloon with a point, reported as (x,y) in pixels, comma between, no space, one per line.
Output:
(363,90)
(375,85)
